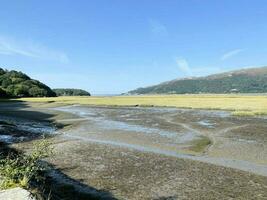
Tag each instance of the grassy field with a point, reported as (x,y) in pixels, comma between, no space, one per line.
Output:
(238,104)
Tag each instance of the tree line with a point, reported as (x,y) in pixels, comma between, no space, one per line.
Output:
(15,84)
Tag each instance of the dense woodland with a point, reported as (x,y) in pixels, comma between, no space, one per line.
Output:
(71,92)
(241,81)
(18,84)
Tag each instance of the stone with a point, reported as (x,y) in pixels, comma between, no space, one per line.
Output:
(16,194)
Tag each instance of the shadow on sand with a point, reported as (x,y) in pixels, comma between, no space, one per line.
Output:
(57,185)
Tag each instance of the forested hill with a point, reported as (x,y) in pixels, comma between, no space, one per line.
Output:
(253,80)
(18,84)
(70,92)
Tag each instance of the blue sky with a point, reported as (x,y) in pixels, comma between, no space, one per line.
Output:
(112,46)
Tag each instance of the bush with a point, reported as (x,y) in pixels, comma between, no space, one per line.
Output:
(20,170)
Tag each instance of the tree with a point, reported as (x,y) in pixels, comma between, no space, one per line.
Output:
(71,92)
(21,91)
(18,84)
(3,93)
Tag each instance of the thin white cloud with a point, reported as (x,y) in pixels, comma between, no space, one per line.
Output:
(9,46)
(187,70)
(231,54)
(157,28)
(184,66)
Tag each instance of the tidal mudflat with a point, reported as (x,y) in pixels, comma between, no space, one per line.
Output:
(161,153)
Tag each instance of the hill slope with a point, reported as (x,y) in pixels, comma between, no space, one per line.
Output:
(18,84)
(71,92)
(253,80)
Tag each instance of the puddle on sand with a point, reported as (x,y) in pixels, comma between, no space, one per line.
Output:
(206,123)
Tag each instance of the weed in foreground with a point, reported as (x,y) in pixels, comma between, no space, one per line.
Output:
(21,170)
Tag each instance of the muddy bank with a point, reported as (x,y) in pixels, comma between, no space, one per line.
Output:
(18,136)
(210,136)
(131,174)
(154,153)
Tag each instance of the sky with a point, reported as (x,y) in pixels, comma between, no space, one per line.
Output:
(113,46)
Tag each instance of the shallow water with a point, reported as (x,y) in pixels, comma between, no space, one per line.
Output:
(29,125)
(11,133)
(6,138)
(104,120)
(164,131)
(206,123)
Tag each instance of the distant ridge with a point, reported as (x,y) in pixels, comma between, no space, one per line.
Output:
(251,80)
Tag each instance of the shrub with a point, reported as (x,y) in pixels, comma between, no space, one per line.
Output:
(20,170)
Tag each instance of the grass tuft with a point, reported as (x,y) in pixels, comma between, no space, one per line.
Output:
(200,145)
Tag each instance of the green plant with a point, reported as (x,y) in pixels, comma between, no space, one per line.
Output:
(17,84)
(200,145)
(20,170)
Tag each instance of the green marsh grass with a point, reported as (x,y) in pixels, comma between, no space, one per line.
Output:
(242,105)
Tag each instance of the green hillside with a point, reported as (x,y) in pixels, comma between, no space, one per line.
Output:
(253,80)
(70,92)
(18,84)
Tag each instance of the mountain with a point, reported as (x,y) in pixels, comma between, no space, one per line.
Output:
(253,80)
(18,84)
(71,92)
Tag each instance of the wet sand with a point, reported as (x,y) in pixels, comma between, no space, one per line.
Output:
(159,153)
